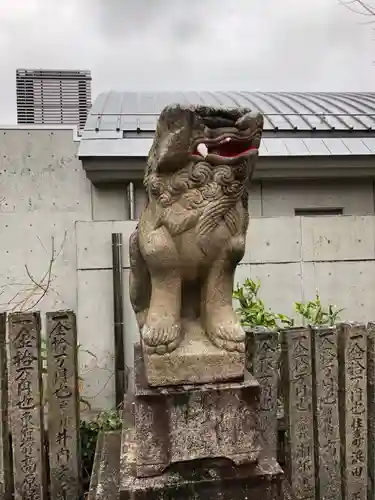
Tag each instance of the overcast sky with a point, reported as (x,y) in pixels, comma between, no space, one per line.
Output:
(295,45)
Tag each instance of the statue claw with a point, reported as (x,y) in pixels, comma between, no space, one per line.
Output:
(229,337)
(161,340)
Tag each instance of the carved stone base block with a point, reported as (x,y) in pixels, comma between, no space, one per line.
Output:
(190,422)
(200,479)
(195,361)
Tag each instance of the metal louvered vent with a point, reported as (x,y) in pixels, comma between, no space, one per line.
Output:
(53,97)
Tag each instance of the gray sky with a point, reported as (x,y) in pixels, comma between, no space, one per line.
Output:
(295,45)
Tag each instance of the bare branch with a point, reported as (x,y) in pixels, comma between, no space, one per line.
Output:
(359,7)
(42,285)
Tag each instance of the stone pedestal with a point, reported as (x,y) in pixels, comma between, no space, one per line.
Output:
(199,479)
(195,361)
(193,422)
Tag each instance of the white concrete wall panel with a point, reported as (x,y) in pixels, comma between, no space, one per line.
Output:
(338,238)
(347,285)
(280,198)
(94,243)
(279,240)
(110,203)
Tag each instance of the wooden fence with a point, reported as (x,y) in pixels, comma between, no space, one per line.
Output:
(328,396)
(39,377)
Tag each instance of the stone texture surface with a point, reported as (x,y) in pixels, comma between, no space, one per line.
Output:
(299,409)
(195,361)
(63,405)
(104,483)
(25,382)
(6,475)
(371,408)
(328,463)
(199,479)
(182,423)
(262,360)
(354,411)
(191,233)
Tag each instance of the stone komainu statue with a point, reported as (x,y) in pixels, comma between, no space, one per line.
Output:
(191,234)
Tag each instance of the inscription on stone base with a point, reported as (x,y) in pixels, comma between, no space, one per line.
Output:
(183,423)
(196,361)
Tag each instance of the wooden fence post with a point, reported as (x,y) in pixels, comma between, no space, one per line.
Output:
(63,406)
(6,477)
(297,373)
(327,431)
(26,407)
(353,416)
(262,360)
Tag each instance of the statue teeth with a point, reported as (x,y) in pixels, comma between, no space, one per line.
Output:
(202,149)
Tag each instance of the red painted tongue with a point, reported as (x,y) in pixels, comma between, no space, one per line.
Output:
(231,149)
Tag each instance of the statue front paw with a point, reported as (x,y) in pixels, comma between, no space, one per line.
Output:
(160,339)
(229,336)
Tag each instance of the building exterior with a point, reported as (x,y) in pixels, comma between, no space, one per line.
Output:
(62,196)
(53,97)
(317,153)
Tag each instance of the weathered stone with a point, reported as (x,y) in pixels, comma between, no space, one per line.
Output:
(262,359)
(26,407)
(353,384)
(325,354)
(299,408)
(182,423)
(63,405)
(6,476)
(371,408)
(196,361)
(192,232)
(199,479)
(104,483)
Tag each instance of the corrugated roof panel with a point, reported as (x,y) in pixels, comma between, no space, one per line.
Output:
(296,147)
(109,122)
(114,103)
(129,122)
(280,122)
(275,147)
(336,146)
(147,122)
(263,149)
(370,143)
(316,147)
(140,146)
(283,111)
(355,146)
(129,103)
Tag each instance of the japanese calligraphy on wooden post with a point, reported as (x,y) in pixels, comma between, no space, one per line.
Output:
(327,400)
(298,403)
(26,413)
(63,401)
(5,456)
(371,408)
(263,347)
(353,352)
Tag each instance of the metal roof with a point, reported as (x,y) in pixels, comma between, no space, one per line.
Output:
(296,124)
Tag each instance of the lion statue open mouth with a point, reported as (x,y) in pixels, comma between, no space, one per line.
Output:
(191,234)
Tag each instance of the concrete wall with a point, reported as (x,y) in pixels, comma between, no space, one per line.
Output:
(267,198)
(292,256)
(45,196)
